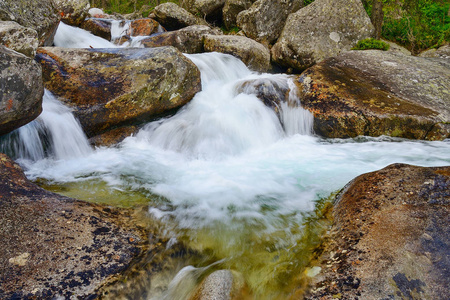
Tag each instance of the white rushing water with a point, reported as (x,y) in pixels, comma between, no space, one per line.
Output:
(225,156)
(55,135)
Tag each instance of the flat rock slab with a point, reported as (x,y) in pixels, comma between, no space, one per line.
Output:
(377,93)
(390,239)
(53,246)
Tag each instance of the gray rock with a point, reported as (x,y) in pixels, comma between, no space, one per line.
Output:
(231,10)
(41,16)
(320,30)
(73,12)
(54,247)
(265,19)
(390,237)
(18,38)
(187,40)
(173,17)
(255,55)
(112,87)
(21,90)
(376,93)
(208,9)
(442,52)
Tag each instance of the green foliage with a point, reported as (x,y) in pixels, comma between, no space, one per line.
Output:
(307,2)
(415,24)
(232,30)
(126,6)
(371,44)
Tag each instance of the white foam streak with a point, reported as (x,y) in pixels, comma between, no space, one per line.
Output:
(72,37)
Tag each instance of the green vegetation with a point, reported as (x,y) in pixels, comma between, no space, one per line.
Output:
(127,6)
(371,44)
(415,24)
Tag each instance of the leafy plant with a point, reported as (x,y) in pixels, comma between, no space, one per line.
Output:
(371,44)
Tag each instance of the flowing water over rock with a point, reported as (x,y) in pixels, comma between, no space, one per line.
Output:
(225,177)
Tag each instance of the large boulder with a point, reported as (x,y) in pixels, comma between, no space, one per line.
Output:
(320,30)
(265,19)
(390,238)
(144,27)
(231,10)
(73,12)
(54,247)
(113,87)
(19,38)
(210,10)
(21,90)
(173,17)
(253,54)
(41,16)
(187,40)
(377,93)
(441,52)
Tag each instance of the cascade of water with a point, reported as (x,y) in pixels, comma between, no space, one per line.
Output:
(54,133)
(220,120)
(72,37)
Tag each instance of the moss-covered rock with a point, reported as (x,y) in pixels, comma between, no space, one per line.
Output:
(21,90)
(113,87)
(41,16)
(73,12)
(18,38)
(390,237)
(378,93)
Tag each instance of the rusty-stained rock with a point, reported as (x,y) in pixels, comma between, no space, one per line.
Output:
(187,40)
(58,247)
(21,90)
(109,88)
(41,16)
(390,239)
(378,93)
(143,27)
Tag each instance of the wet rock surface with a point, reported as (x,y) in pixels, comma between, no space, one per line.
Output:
(390,239)
(41,16)
(21,90)
(97,26)
(378,93)
(321,30)
(109,88)
(54,246)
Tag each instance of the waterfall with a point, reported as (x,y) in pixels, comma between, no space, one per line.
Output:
(55,133)
(72,37)
(221,120)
